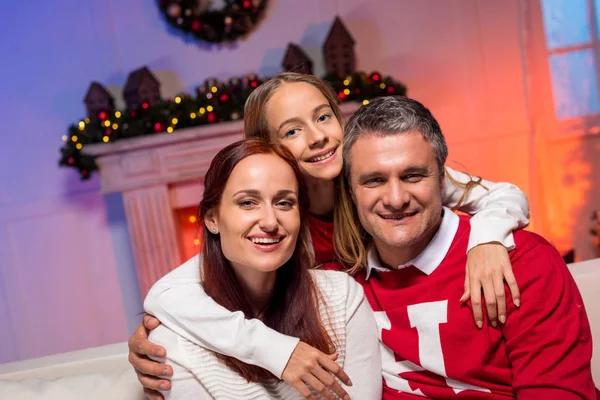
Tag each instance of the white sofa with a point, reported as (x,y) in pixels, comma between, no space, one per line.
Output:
(587,277)
(104,372)
(93,374)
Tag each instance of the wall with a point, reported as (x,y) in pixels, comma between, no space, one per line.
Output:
(66,270)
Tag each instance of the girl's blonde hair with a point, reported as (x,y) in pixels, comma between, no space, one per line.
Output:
(255,110)
(256,125)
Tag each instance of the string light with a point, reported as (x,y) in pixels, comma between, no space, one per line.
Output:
(196,242)
(158,127)
(220,102)
(192,219)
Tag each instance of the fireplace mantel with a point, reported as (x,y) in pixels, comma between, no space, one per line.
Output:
(157,174)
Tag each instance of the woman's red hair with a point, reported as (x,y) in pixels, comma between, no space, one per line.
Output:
(293,309)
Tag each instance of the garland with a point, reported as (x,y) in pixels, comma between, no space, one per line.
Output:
(227,24)
(215,101)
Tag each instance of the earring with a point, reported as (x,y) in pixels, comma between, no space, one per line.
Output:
(214,230)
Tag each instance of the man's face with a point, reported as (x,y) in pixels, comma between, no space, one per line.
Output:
(396,186)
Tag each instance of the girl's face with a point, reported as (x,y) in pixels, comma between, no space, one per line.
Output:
(258,218)
(301,119)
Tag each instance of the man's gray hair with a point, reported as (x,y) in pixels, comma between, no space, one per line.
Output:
(393,115)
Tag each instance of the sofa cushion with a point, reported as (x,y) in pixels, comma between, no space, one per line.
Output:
(118,385)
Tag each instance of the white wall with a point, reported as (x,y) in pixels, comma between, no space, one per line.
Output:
(66,270)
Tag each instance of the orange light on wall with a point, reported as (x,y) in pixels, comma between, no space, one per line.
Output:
(190,233)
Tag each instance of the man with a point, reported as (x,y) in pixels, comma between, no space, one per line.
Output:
(413,276)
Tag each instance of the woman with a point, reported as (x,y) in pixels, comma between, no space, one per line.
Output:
(302,113)
(256,260)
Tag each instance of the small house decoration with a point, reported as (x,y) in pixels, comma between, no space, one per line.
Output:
(98,99)
(296,60)
(338,50)
(331,57)
(141,86)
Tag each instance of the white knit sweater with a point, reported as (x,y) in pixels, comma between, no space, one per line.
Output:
(199,374)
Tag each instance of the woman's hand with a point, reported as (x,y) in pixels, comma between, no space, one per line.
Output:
(148,371)
(309,367)
(488,266)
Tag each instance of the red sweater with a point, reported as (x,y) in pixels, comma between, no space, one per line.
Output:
(321,234)
(542,352)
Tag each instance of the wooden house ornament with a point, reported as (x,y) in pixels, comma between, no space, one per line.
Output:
(98,99)
(338,50)
(296,60)
(141,86)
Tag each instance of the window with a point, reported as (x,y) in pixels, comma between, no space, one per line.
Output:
(571,34)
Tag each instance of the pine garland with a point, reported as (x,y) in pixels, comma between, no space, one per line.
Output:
(214,102)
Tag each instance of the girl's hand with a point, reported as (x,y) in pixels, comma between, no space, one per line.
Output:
(488,267)
(308,367)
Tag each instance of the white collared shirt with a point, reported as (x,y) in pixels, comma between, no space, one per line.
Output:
(432,256)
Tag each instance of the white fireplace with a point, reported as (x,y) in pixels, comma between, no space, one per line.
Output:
(159,176)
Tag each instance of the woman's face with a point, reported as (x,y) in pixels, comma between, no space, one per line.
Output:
(258,219)
(301,119)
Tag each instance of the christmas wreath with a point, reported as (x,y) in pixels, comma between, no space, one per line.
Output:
(213,21)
